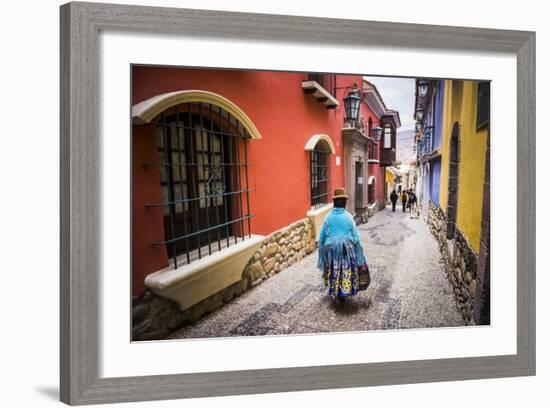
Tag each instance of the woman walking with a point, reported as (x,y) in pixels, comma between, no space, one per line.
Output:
(404,199)
(340,252)
(393,199)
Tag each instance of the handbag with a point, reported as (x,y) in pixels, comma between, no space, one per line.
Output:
(364,276)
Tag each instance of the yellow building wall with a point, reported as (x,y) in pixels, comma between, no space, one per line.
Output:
(461,106)
(390,180)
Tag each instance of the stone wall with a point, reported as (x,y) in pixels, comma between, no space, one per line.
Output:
(154,317)
(460,261)
(482,309)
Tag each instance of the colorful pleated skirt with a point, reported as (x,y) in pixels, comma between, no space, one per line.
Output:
(340,269)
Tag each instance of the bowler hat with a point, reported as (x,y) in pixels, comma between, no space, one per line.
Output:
(339,192)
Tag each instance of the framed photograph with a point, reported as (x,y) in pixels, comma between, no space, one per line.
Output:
(262,203)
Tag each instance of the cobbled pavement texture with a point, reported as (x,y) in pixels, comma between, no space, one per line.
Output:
(409,289)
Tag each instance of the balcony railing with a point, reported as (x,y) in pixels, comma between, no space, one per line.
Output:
(426,144)
(323,88)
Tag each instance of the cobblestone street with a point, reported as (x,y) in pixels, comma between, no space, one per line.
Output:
(409,289)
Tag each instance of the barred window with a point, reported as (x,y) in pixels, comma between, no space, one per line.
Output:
(320,174)
(203,162)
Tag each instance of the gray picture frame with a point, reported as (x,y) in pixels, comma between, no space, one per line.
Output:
(80,192)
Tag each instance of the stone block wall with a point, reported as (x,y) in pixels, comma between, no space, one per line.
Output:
(460,262)
(154,317)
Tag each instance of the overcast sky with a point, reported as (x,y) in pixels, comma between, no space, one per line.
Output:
(398,94)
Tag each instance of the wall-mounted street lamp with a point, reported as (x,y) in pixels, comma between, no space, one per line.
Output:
(377,133)
(418,125)
(419,114)
(423,86)
(351,104)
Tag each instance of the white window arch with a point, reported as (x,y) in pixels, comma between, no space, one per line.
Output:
(145,111)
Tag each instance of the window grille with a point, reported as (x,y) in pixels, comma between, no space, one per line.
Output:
(320,174)
(203,163)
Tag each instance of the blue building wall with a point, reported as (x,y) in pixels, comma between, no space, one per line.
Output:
(438,114)
(435,175)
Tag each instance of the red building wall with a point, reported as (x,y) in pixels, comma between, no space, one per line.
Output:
(147,222)
(286,118)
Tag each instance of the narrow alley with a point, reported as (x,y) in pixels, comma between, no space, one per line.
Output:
(409,289)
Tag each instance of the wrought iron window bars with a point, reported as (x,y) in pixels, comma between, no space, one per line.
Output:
(320,174)
(203,164)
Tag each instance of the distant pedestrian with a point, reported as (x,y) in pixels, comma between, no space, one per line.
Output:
(393,199)
(404,199)
(413,205)
(341,255)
